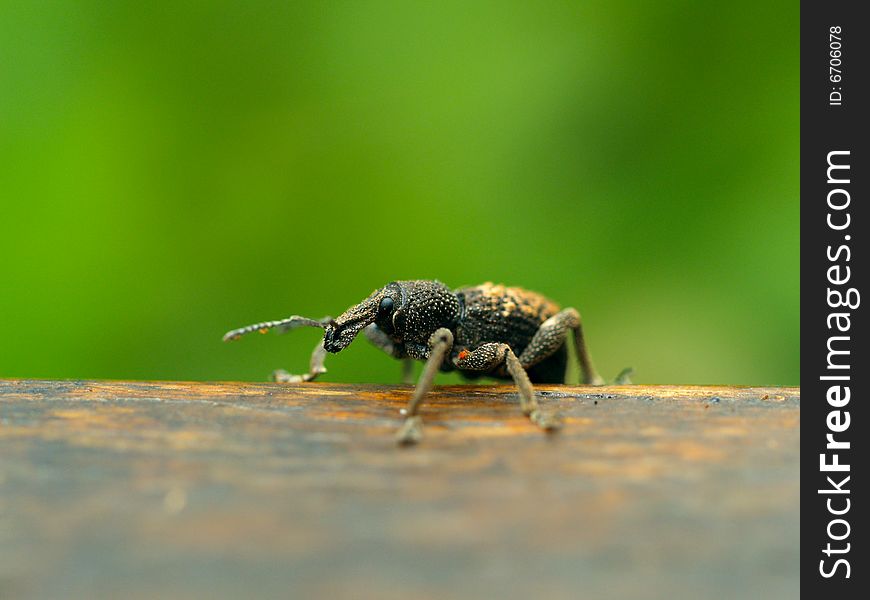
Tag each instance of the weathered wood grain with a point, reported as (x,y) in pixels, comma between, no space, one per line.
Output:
(194,490)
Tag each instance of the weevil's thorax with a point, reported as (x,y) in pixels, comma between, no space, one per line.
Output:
(423,306)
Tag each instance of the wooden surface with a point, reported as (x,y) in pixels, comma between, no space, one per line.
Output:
(198,490)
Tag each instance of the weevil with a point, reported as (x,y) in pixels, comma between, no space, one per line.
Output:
(484,330)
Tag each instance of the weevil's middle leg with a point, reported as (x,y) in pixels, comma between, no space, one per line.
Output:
(488,357)
(385,343)
(551,336)
(315,368)
(407,371)
(440,344)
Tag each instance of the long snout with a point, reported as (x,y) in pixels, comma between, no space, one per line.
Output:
(331,340)
(341,332)
(339,336)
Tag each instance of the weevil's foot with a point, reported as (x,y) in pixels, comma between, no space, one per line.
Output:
(547,421)
(282,376)
(624,377)
(411,431)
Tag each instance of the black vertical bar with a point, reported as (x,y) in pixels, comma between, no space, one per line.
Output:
(834,69)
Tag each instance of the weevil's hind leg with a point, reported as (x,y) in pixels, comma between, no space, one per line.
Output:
(315,368)
(489,357)
(440,344)
(551,336)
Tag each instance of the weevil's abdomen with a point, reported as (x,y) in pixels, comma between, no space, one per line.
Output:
(495,313)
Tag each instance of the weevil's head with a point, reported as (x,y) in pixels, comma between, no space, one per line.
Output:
(410,310)
(341,332)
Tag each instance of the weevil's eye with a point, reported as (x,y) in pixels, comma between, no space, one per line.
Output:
(385,307)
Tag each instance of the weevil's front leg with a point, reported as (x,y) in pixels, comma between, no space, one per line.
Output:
(380,339)
(440,344)
(551,336)
(315,368)
(489,357)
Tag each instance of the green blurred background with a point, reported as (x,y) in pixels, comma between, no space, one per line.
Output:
(170,170)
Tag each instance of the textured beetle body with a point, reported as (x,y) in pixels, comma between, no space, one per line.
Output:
(485,330)
(474,315)
(511,315)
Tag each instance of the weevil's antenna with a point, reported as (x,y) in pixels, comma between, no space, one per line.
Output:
(281,326)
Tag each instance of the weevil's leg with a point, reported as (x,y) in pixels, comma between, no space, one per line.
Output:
(380,339)
(624,377)
(315,368)
(489,357)
(440,344)
(407,371)
(550,337)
